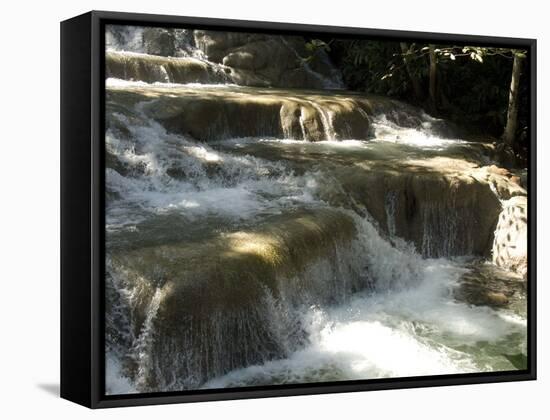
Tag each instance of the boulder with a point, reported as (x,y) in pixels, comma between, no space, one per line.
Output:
(250,57)
(274,61)
(242,58)
(510,242)
(159,41)
(485,284)
(215,44)
(504,183)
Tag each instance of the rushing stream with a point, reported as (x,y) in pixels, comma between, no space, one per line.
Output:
(267,259)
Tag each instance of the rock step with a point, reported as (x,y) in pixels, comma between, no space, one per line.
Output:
(214,301)
(152,68)
(444,206)
(207,114)
(161,55)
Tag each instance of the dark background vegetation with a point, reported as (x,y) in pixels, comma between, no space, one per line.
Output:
(472,84)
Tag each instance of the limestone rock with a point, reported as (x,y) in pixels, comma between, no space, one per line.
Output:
(444,206)
(215,114)
(510,243)
(159,41)
(150,69)
(215,44)
(504,183)
(263,60)
(242,58)
(488,285)
(232,276)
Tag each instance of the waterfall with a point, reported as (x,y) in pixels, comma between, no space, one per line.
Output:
(326,120)
(260,236)
(142,345)
(134,47)
(124,38)
(391,209)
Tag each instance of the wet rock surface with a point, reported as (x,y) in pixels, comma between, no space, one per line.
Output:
(241,58)
(510,239)
(207,114)
(212,298)
(445,205)
(240,219)
(151,69)
(487,285)
(264,60)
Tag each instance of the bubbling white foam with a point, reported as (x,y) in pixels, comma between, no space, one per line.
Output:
(423,136)
(170,173)
(116,382)
(413,331)
(407,324)
(113,83)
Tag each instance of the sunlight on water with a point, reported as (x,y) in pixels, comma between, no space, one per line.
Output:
(392,313)
(113,82)
(414,331)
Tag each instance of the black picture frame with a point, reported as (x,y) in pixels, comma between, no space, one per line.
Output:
(83,220)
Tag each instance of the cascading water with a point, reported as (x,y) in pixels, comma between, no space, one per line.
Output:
(140,40)
(267,259)
(180,56)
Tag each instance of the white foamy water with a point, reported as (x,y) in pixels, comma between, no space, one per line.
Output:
(113,82)
(170,173)
(412,331)
(115,380)
(424,137)
(404,322)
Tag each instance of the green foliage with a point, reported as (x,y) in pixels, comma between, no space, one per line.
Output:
(316,44)
(476,90)
(374,67)
(472,82)
(314,47)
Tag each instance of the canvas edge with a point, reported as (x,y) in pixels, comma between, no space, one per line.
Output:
(94,304)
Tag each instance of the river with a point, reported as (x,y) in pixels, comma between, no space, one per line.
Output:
(248,245)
